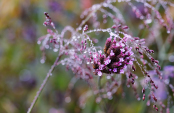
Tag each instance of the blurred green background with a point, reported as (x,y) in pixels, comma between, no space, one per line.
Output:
(21,73)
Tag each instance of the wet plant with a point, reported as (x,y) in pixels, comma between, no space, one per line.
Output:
(118,60)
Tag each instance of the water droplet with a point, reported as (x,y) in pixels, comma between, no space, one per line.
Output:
(105,4)
(80,28)
(138,99)
(171,58)
(108,77)
(136,77)
(148,103)
(67,99)
(42,61)
(141,17)
(51,74)
(55,49)
(168,31)
(38,42)
(56,46)
(109,93)
(46,46)
(148,21)
(167,81)
(74,37)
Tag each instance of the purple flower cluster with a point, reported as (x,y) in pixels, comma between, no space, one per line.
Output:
(122,53)
(115,59)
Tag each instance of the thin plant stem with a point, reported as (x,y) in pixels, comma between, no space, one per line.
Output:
(87,18)
(99,87)
(43,85)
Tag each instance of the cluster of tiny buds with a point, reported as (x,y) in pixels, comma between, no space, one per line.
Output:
(120,27)
(163,107)
(155,62)
(132,77)
(83,45)
(85,28)
(143,91)
(115,59)
(153,87)
(48,20)
(131,82)
(151,95)
(154,106)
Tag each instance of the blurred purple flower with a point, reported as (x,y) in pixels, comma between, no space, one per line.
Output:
(161,92)
(29,34)
(168,71)
(54,6)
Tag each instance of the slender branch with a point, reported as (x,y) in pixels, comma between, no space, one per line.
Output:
(43,85)
(87,18)
(99,87)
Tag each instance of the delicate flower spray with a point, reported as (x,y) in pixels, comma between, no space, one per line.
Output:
(121,55)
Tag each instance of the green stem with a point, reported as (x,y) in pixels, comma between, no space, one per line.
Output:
(42,85)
